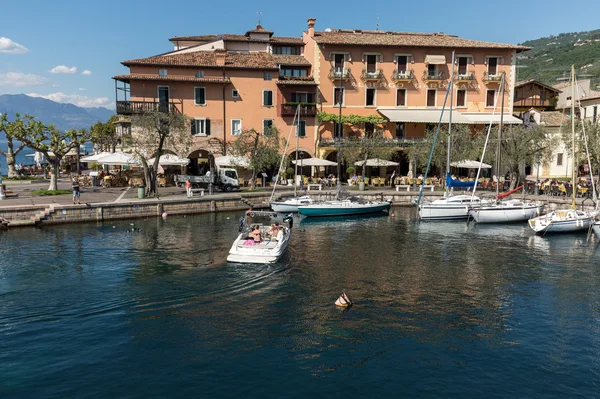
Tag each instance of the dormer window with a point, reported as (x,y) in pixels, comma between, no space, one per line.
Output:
(338,62)
(162,72)
(199,74)
(492,65)
(286,50)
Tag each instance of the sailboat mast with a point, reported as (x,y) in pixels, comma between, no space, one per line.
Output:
(573,175)
(451,88)
(340,131)
(498,152)
(297,138)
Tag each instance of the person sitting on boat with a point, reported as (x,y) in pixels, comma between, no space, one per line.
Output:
(280,234)
(273,230)
(254,237)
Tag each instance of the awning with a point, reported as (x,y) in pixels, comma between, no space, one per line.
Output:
(486,118)
(314,162)
(421,115)
(435,59)
(170,160)
(376,162)
(468,164)
(229,160)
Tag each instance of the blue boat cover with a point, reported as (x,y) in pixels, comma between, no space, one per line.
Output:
(450,182)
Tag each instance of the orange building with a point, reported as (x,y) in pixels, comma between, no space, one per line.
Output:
(231,82)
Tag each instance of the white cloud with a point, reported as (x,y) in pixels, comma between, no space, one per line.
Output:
(10,47)
(82,89)
(21,79)
(86,72)
(76,99)
(64,70)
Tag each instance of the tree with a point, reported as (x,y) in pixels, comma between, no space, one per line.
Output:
(48,139)
(104,135)
(262,150)
(366,147)
(154,132)
(592,133)
(20,126)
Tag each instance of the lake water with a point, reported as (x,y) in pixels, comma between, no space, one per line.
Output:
(442,310)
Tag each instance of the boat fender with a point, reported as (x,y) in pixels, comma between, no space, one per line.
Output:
(343,301)
(251,214)
(241,224)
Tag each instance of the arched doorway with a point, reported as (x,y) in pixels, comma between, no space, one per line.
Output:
(332,156)
(302,155)
(200,161)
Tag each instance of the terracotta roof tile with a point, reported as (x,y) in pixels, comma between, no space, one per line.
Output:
(172,78)
(408,39)
(553,118)
(205,38)
(526,82)
(206,59)
(229,37)
(291,60)
(259,29)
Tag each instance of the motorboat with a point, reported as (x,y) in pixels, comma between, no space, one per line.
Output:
(346,207)
(506,211)
(246,250)
(561,221)
(454,207)
(291,205)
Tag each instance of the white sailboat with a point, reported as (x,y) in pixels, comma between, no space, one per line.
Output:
(450,207)
(503,210)
(565,220)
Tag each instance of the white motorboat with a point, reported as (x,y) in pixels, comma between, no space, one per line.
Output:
(449,208)
(561,221)
(291,205)
(246,250)
(506,211)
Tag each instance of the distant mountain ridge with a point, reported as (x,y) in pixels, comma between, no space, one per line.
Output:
(550,58)
(63,116)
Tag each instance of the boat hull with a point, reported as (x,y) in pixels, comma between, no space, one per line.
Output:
(266,252)
(342,208)
(512,213)
(451,208)
(290,205)
(563,221)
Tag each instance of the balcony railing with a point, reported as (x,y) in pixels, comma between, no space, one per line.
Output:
(464,77)
(336,73)
(374,75)
(403,75)
(438,76)
(357,142)
(139,107)
(305,109)
(492,78)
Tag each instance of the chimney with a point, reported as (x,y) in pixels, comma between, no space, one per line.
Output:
(220,55)
(311,27)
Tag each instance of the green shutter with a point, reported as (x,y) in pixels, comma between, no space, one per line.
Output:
(207,127)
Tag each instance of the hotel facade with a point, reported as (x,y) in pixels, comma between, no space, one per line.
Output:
(230,82)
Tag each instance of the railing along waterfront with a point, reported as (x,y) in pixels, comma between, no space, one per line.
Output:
(139,107)
(392,142)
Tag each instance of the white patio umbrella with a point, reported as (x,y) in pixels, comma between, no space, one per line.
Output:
(170,160)
(118,158)
(229,160)
(376,162)
(314,162)
(467,164)
(95,157)
(38,158)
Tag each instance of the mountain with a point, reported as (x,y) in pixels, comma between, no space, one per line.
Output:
(63,116)
(550,58)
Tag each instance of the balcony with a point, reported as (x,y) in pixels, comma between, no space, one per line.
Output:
(306,109)
(435,77)
(340,74)
(357,142)
(371,76)
(464,77)
(139,107)
(403,75)
(492,78)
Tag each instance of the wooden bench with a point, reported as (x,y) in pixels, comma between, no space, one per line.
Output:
(316,185)
(197,190)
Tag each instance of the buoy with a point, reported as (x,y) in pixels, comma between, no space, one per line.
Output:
(343,301)
(164,215)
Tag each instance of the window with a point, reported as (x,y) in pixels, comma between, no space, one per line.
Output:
(267,126)
(402,61)
(286,50)
(232,174)
(336,130)
(371,63)
(290,72)
(235,93)
(338,62)
(369,129)
(268,98)
(301,129)
(463,63)
(370,97)
(201,127)
(430,127)
(400,130)
(338,96)
(492,65)
(461,98)
(401,97)
(162,72)
(236,127)
(199,74)
(200,95)
(302,97)
(268,76)
(431,69)
(559,159)
(431,98)
(490,99)
(163,94)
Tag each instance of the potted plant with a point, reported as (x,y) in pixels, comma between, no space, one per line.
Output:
(289,172)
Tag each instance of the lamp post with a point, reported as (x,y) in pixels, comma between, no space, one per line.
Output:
(538,158)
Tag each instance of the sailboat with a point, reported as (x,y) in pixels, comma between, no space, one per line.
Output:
(291,204)
(503,210)
(565,220)
(450,207)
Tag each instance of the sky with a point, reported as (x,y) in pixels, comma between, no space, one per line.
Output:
(68,50)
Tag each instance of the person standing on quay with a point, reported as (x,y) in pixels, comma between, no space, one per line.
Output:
(188,187)
(76,193)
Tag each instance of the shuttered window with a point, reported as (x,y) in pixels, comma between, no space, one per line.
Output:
(301,129)
(267,98)
(461,97)
(199,95)
(201,127)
